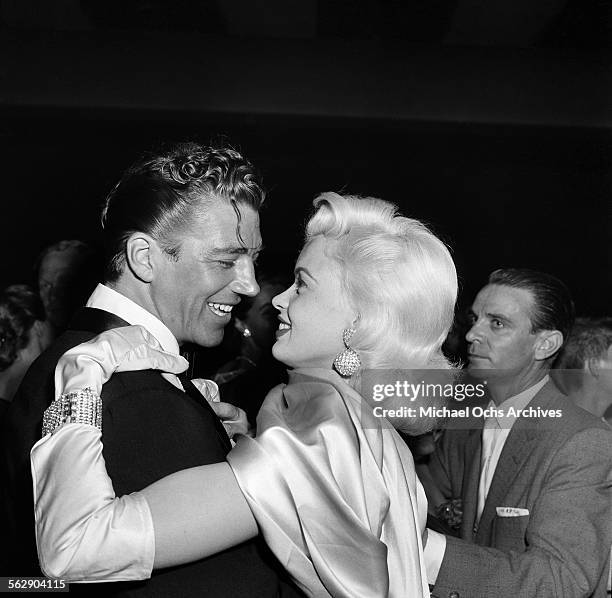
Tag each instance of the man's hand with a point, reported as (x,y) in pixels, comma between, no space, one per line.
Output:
(233,418)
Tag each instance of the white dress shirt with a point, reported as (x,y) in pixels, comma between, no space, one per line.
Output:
(110,300)
(494,435)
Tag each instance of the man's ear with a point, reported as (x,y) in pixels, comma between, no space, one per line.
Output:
(140,249)
(599,365)
(547,344)
(592,366)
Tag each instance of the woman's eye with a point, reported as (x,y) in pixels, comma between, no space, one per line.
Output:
(497,323)
(299,284)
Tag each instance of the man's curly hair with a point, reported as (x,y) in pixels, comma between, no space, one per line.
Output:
(159,195)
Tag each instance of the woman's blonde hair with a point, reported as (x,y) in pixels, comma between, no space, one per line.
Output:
(399,277)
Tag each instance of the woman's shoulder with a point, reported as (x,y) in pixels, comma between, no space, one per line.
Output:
(309,404)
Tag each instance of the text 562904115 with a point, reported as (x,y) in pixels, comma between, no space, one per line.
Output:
(32,584)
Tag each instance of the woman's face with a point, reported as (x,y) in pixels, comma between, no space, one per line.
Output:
(313,311)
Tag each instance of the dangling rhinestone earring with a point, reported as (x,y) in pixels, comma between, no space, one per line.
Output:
(348,361)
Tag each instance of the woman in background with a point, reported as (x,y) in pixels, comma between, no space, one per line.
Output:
(24,335)
(331,487)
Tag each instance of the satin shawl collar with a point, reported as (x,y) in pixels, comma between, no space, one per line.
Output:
(518,448)
(309,396)
(334,491)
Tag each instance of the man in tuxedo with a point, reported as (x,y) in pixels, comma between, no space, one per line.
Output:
(535,480)
(181,231)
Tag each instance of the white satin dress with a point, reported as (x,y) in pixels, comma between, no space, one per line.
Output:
(334,491)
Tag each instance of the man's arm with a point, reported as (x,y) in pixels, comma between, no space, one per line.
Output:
(446,465)
(568,535)
(436,481)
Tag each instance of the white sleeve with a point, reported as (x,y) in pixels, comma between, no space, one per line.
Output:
(83,531)
(434,554)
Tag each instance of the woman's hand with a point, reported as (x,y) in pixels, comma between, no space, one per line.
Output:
(233,418)
(127,349)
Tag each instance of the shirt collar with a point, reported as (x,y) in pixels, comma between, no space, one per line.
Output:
(519,401)
(114,302)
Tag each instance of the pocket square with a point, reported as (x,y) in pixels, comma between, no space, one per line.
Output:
(511,512)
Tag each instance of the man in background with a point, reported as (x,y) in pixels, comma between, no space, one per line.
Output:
(535,480)
(67,272)
(584,366)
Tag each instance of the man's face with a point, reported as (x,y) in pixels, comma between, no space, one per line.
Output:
(500,337)
(194,296)
(55,275)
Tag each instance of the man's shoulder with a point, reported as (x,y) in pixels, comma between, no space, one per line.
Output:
(39,377)
(569,419)
(134,384)
(67,340)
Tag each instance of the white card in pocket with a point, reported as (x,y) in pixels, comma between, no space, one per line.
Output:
(511,512)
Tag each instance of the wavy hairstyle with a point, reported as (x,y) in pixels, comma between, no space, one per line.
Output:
(588,341)
(160,195)
(399,277)
(20,308)
(553,305)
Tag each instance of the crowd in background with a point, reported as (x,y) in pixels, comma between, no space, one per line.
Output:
(66,272)
(489,506)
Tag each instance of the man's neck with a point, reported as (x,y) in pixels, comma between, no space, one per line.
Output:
(135,306)
(134,293)
(592,399)
(502,389)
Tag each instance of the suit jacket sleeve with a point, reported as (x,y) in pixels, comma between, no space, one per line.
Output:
(568,535)
(439,468)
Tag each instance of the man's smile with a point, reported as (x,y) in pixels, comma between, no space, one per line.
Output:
(220,309)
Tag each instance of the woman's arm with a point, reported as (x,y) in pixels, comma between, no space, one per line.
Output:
(85,533)
(198,512)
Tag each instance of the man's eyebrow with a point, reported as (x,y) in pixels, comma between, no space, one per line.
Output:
(234,250)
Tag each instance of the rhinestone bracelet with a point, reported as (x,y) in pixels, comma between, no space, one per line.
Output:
(78,407)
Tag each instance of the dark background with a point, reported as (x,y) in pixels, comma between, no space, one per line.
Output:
(489,120)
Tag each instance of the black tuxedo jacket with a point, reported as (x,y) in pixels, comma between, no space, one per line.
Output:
(150,429)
